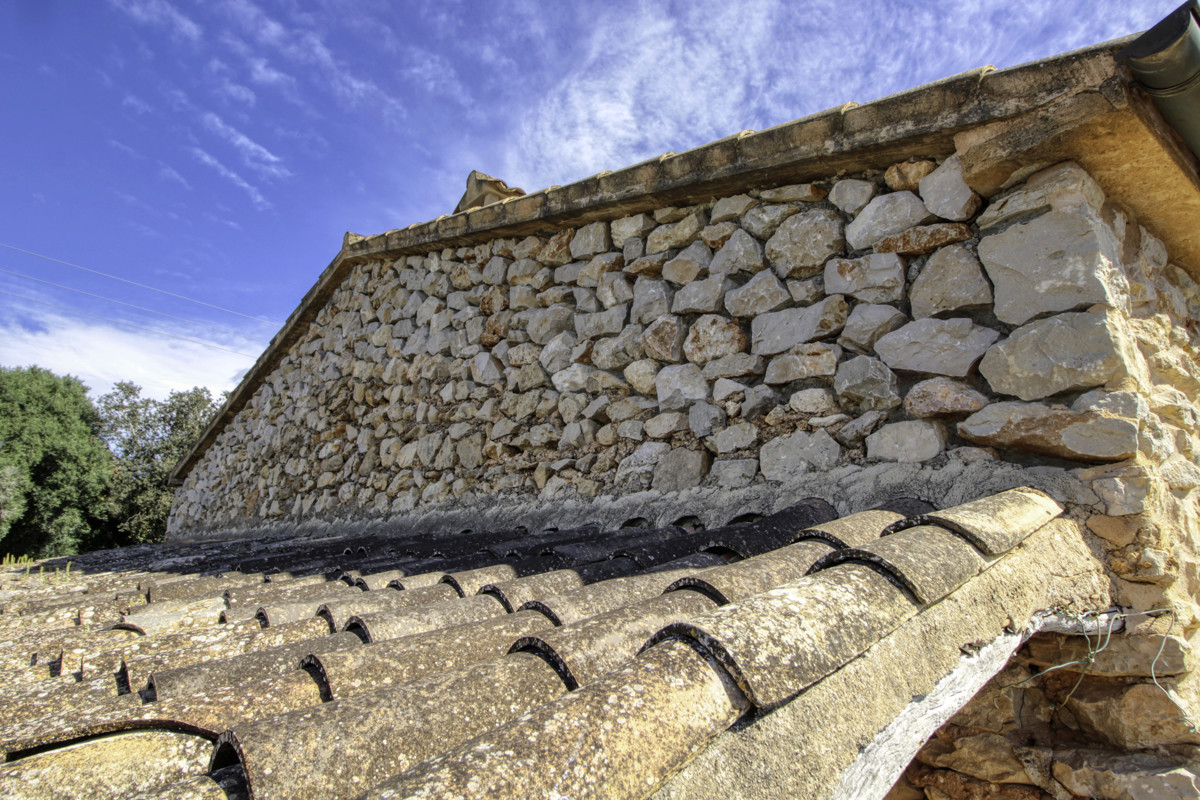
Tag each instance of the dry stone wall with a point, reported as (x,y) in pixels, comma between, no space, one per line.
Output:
(808,330)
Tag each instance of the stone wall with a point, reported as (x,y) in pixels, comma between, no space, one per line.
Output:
(870,336)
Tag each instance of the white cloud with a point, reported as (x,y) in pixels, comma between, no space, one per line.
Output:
(171,174)
(254,155)
(136,104)
(102,353)
(208,160)
(162,14)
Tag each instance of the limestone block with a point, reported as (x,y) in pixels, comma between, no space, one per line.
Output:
(1063,187)
(614,289)
(807,292)
(1125,655)
(946,194)
(795,193)
(641,462)
(688,265)
(495,271)
(865,384)
(523,354)
(704,419)
(470,451)
(866,323)
(486,369)
(885,215)
(585,299)
(702,297)
(952,280)
(715,236)
(680,469)
(546,323)
(941,396)
(803,361)
(578,434)
(1126,491)
(734,473)
(590,240)
(676,234)
(637,225)
(1138,776)
(985,756)
(598,268)
(938,346)
(875,278)
(1131,717)
(531,376)
(713,336)
(905,176)
(651,266)
(572,379)
(663,338)
(910,441)
(733,366)
(631,429)
(741,253)
(557,249)
(923,239)
(728,208)
(804,242)
(778,331)
(763,221)
(1058,354)
(666,424)
(735,437)
(628,408)
(604,323)
(761,294)
(556,355)
(1053,431)
(853,432)
(680,386)
(814,402)
(852,195)
(641,374)
(651,300)
(618,351)
(1055,262)
(782,458)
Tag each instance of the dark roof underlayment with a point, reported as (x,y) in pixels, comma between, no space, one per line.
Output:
(553,670)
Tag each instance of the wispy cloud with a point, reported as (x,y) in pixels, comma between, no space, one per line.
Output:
(162,14)
(136,104)
(171,174)
(253,154)
(124,148)
(208,160)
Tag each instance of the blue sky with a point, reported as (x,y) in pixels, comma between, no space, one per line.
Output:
(216,150)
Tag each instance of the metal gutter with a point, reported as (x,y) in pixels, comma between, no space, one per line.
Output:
(1166,62)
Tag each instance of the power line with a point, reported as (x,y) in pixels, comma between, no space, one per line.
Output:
(119,302)
(128,324)
(139,285)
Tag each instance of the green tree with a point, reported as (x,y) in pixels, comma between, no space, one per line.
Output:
(54,468)
(147,438)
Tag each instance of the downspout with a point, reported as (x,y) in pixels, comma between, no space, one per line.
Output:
(1166,62)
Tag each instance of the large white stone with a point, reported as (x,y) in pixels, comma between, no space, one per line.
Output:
(946,194)
(1065,352)
(688,265)
(651,299)
(804,242)
(937,346)
(713,336)
(761,294)
(866,323)
(781,330)
(886,214)
(874,278)
(1053,431)
(852,195)
(803,361)
(679,386)
(952,279)
(740,253)
(735,437)
(701,297)
(1063,187)
(1055,262)
(782,458)
(865,384)
(909,441)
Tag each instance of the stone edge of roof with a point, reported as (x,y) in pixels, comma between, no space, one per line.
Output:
(918,121)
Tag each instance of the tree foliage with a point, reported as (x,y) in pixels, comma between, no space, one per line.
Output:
(76,476)
(54,469)
(147,438)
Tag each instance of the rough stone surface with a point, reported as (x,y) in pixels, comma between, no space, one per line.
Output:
(924,239)
(941,396)
(803,361)
(876,278)
(906,176)
(734,473)
(884,215)
(941,347)
(680,386)
(544,324)
(651,300)
(814,402)
(713,336)
(676,234)
(865,384)
(701,297)
(951,280)
(763,221)
(761,294)
(804,242)
(740,253)
(909,441)
(663,338)
(735,437)
(1053,431)
(866,323)
(852,195)
(680,469)
(778,331)
(1043,358)
(946,194)
(731,207)
(784,456)
(1055,262)
(690,264)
